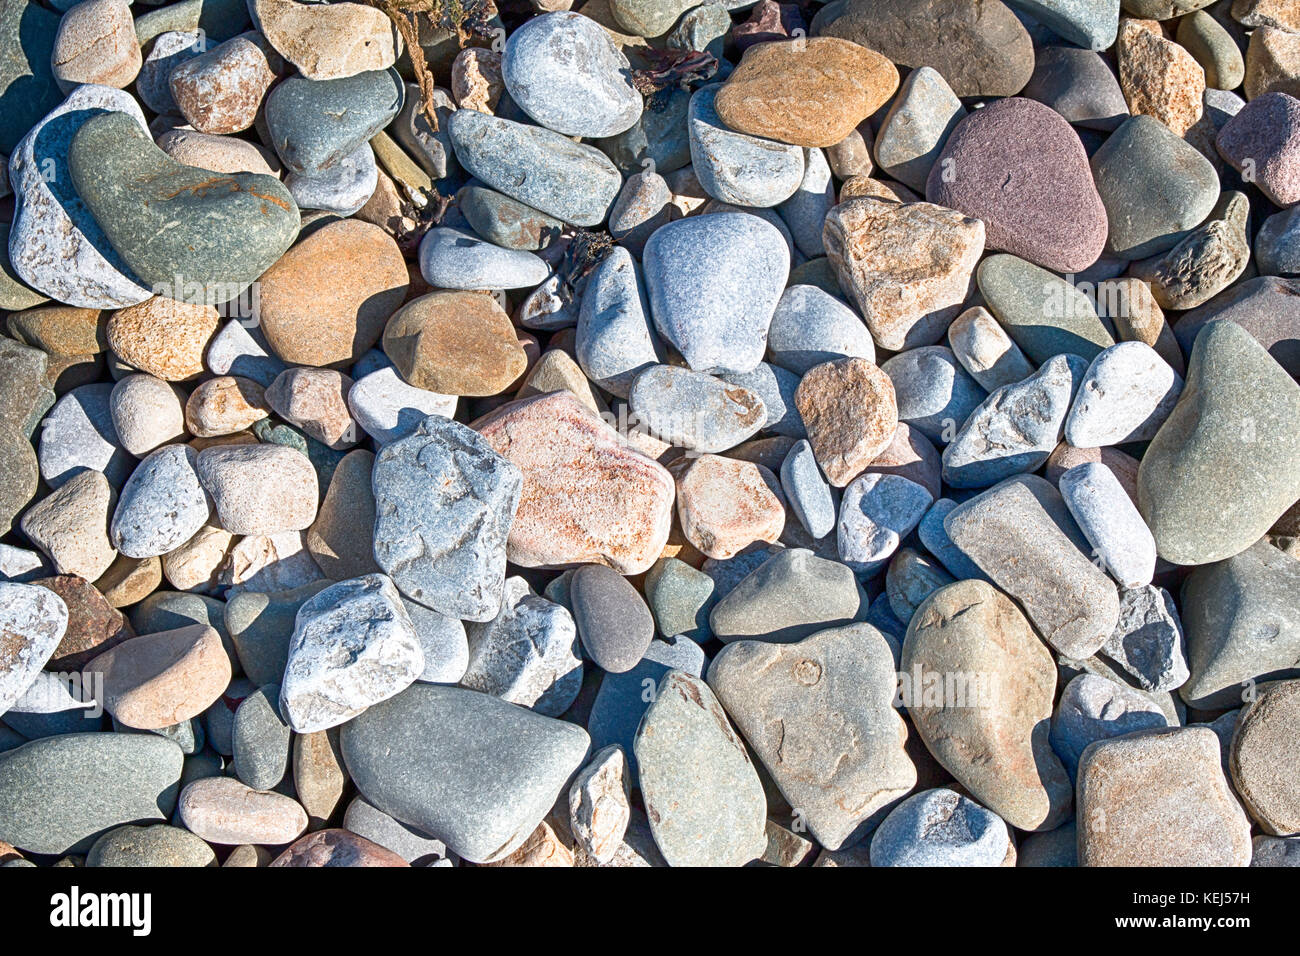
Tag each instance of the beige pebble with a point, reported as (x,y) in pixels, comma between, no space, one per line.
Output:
(557,370)
(96,43)
(329,41)
(196,564)
(341,539)
(259,489)
(224,406)
(163,337)
(1158,77)
(316,400)
(476,81)
(130,580)
(247,855)
(725,505)
(1129,303)
(147,413)
(849,409)
(157,680)
(337,848)
(223,810)
(221,154)
(542,848)
(319,776)
(455,343)
(1272,63)
(1263,757)
(71,525)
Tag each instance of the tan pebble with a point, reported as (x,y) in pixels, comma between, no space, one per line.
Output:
(224,406)
(163,337)
(248,855)
(238,438)
(1272,63)
(387,208)
(908,267)
(130,580)
(316,400)
(1158,77)
(851,156)
(1159,798)
(326,301)
(147,413)
(223,810)
(1262,758)
(1129,303)
(319,777)
(557,370)
(259,489)
(71,525)
(588,497)
(849,409)
(96,43)
(329,41)
(864,187)
(809,92)
(220,91)
(337,848)
(270,562)
(542,848)
(221,154)
(476,81)
(1284,14)
(196,564)
(157,680)
(455,343)
(61,329)
(341,539)
(726,505)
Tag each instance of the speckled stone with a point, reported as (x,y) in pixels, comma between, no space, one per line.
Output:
(162,504)
(32,625)
(940,828)
(694,410)
(725,505)
(1263,139)
(851,414)
(71,525)
(261,739)
(1158,76)
(224,811)
(811,326)
(455,343)
(1125,396)
(452,259)
(221,90)
(1206,262)
(259,489)
(919,122)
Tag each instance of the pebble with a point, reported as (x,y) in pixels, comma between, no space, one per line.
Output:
(221,90)
(1226,606)
(806,490)
(452,259)
(53,230)
(315,399)
(809,92)
(1148,642)
(261,739)
(1126,395)
(1159,77)
(340,539)
(465,768)
(1044,314)
(32,624)
(979,52)
(1015,429)
(587,496)
(43,785)
(455,343)
(410,844)
(504,221)
(225,406)
(599,803)
(1206,262)
(1213,48)
(940,827)
(1236,408)
(789,596)
(336,847)
(1186,815)
(810,327)
(713,283)
(234,351)
(70,525)
(910,578)
(328,42)
(680,598)
(564,71)
(313,124)
(387,408)
(851,413)
(162,504)
(169,50)
(1260,759)
(644,204)
(877,512)
(325,302)
(527,654)
(934,393)
(196,564)
(221,154)
(1275,244)
(152,846)
(735,167)
(259,489)
(224,811)
(1263,143)
(420,532)
(725,505)
(443,641)
(615,341)
(1093,708)
(907,266)
(1155,186)
(163,337)
(612,619)
(969,653)
(919,122)
(158,680)
(476,80)
(343,189)
(702,794)
(985,350)
(96,44)
(1013,534)
(147,413)
(366,617)
(1078,84)
(1263,307)
(694,410)
(541,168)
(819,715)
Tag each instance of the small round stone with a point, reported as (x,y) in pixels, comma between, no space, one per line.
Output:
(224,811)
(613,621)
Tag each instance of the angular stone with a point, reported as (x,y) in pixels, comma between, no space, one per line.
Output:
(1158,76)
(599,810)
(850,411)
(1206,262)
(221,90)
(876,513)
(259,489)
(33,621)
(725,505)
(1148,641)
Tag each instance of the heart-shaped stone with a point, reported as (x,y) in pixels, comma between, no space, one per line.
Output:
(190,234)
